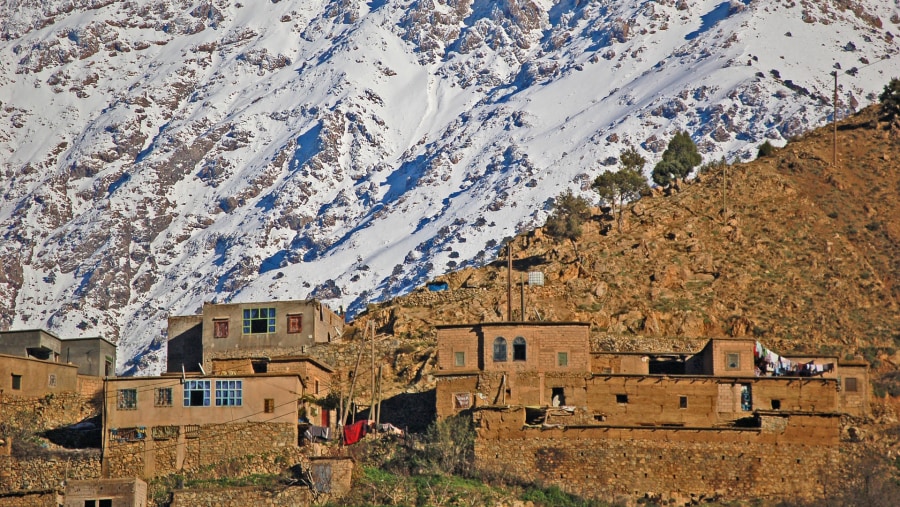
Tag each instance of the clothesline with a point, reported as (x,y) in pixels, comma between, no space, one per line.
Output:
(770,364)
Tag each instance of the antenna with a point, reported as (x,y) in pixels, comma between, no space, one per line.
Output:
(201,368)
(182,373)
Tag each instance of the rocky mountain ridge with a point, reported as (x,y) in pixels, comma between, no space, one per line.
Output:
(160,154)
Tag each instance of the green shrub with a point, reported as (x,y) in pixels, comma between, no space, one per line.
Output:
(766,150)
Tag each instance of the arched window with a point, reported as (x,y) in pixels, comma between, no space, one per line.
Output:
(519,349)
(499,349)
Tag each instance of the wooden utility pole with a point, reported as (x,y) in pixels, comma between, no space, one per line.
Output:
(509,280)
(372,406)
(835,118)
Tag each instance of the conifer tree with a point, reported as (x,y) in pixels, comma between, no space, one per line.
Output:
(679,159)
(623,185)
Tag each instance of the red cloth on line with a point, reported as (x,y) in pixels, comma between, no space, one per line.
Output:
(355,432)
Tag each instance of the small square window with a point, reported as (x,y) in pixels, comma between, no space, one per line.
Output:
(462,400)
(562,359)
(220,328)
(621,398)
(127,399)
(776,404)
(17,382)
(733,361)
(163,397)
(294,324)
(850,385)
(682,402)
(460,358)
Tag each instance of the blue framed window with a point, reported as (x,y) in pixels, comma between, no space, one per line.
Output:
(500,349)
(229,393)
(259,320)
(196,393)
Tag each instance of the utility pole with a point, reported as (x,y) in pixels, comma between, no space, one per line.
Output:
(835,117)
(509,280)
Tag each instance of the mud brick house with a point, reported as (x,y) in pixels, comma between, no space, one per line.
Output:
(733,419)
(160,425)
(238,330)
(31,378)
(130,492)
(94,356)
(533,364)
(316,377)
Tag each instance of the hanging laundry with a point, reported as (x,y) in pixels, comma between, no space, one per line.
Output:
(354,432)
(320,432)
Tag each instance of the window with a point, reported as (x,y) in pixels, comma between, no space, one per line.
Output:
(519,349)
(191,431)
(108,367)
(128,434)
(317,386)
(294,323)
(459,358)
(776,404)
(850,385)
(106,502)
(682,402)
(220,328)
(499,349)
(259,320)
(16,382)
(622,398)
(163,397)
(51,380)
(126,399)
(562,359)
(462,400)
(733,361)
(557,396)
(229,393)
(164,432)
(196,393)
(269,405)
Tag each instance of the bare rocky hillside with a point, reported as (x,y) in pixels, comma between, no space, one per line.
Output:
(804,257)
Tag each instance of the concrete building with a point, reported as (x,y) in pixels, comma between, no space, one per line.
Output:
(159,425)
(31,378)
(236,330)
(94,356)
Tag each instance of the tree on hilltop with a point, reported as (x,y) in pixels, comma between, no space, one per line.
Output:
(890,99)
(569,214)
(623,185)
(679,159)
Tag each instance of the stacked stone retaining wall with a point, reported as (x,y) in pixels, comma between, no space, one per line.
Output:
(195,448)
(664,464)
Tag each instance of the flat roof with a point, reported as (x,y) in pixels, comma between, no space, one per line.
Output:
(513,324)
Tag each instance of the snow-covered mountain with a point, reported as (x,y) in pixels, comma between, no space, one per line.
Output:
(161,153)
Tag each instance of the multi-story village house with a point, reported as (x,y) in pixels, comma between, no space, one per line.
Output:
(35,363)
(249,330)
(733,418)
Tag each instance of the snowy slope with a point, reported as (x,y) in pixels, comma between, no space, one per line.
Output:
(158,154)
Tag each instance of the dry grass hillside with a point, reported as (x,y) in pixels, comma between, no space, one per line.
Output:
(787,249)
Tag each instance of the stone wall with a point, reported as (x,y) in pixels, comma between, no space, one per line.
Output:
(36,499)
(624,464)
(241,497)
(50,411)
(193,448)
(46,470)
